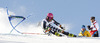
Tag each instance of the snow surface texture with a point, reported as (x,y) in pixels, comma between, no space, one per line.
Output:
(6,38)
(15,37)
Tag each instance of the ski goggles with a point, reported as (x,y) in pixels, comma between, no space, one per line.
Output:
(50,18)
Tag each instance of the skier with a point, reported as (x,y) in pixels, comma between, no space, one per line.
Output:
(84,32)
(49,28)
(94,27)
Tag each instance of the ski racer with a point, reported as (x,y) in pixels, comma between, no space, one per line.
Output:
(94,27)
(49,28)
(84,32)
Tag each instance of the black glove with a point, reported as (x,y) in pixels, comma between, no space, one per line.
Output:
(89,27)
(62,28)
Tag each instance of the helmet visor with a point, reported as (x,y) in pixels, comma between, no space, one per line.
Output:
(50,17)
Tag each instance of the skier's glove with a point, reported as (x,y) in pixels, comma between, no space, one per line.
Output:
(89,27)
(62,27)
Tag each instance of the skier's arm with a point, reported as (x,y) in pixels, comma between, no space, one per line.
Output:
(47,27)
(97,26)
(58,24)
(44,25)
(89,27)
(55,22)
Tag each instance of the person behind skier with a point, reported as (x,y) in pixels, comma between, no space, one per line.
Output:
(49,28)
(84,32)
(94,27)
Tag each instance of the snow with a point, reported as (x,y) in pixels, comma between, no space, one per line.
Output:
(11,38)
(5,37)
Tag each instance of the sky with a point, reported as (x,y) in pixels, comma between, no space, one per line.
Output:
(75,13)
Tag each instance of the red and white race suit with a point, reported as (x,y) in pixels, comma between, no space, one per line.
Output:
(95,27)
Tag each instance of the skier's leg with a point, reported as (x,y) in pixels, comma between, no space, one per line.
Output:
(69,34)
(96,34)
(55,32)
(66,33)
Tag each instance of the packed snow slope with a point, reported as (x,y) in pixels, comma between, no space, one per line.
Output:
(15,37)
(6,38)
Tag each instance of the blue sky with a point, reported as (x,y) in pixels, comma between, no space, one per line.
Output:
(74,12)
